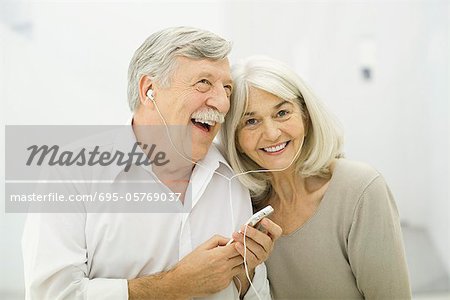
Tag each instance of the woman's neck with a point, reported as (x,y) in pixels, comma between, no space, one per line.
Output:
(287,186)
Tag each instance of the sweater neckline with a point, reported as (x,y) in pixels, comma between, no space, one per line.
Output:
(322,202)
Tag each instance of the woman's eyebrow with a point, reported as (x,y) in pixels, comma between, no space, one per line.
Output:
(281,104)
(251,113)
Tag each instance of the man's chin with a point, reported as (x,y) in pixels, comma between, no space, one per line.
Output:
(201,144)
(199,151)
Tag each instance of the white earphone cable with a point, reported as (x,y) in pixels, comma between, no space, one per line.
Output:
(229,190)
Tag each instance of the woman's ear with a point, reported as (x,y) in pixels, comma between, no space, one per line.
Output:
(306,121)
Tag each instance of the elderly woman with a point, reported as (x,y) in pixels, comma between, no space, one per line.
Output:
(341,231)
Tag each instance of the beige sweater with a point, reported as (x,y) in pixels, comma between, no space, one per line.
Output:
(351,248)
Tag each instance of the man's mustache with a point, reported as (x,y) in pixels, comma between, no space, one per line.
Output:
(209,114)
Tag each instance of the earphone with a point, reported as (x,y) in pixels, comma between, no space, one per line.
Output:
(150,95)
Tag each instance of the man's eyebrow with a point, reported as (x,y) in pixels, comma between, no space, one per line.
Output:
(283,102)
(209,75)
(204,74)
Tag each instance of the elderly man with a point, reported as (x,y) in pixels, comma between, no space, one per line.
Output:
(178,77)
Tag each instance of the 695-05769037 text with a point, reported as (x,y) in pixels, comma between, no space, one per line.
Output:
(97,196)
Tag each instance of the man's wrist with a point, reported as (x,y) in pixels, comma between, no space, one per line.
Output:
(251,274)
(183,289)
(158,286)
(245,284)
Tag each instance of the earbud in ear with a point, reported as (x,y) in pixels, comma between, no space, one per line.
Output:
(150,95)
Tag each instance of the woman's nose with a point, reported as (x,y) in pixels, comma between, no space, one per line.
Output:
(271,131)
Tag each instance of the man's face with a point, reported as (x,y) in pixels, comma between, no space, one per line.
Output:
(197,86)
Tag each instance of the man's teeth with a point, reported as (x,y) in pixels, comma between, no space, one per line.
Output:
(276,148)
(208,122)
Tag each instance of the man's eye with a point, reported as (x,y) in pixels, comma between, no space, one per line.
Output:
(203,85)
(251,122)
(205,81)
(228,90)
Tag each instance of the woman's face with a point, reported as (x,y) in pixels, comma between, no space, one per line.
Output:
(271,131)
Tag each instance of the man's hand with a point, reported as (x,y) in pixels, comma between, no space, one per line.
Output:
(209,268)
(259,246)
(206,270)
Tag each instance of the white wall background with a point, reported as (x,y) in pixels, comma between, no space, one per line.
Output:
(66,63)
(398,121)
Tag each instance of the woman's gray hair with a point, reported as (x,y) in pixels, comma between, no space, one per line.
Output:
(323,136)
(156,57)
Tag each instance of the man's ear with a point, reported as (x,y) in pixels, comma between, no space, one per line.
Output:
(145,83)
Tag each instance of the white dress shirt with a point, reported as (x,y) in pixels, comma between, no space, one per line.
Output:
(91,255)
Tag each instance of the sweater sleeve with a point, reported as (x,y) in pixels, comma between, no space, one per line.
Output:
(375,245)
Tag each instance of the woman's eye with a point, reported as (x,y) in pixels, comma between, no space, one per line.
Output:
(282,113)
(251,122)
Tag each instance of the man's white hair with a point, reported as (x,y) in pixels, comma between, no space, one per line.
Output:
(156,57)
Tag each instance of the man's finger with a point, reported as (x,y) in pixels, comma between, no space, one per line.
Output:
(213,242)
(250,257)
(236,261)
(252,245)
(261,238)
(238,270)
(273,229)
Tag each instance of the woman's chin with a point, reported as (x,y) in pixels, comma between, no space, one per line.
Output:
(276,166)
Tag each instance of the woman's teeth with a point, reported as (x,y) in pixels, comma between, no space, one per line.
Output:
(276,148)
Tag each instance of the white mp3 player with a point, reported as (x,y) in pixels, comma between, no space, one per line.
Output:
(258,216)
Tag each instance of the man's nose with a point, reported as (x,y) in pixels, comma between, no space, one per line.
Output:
(219,100)
(271,130)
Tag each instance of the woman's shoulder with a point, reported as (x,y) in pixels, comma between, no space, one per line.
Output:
(354,169)
(353,182)
(352,175)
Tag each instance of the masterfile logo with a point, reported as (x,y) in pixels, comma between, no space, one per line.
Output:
(96,169)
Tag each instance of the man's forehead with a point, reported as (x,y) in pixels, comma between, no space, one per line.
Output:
(188,67)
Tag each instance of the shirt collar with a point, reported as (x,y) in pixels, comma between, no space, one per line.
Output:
(214,159)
